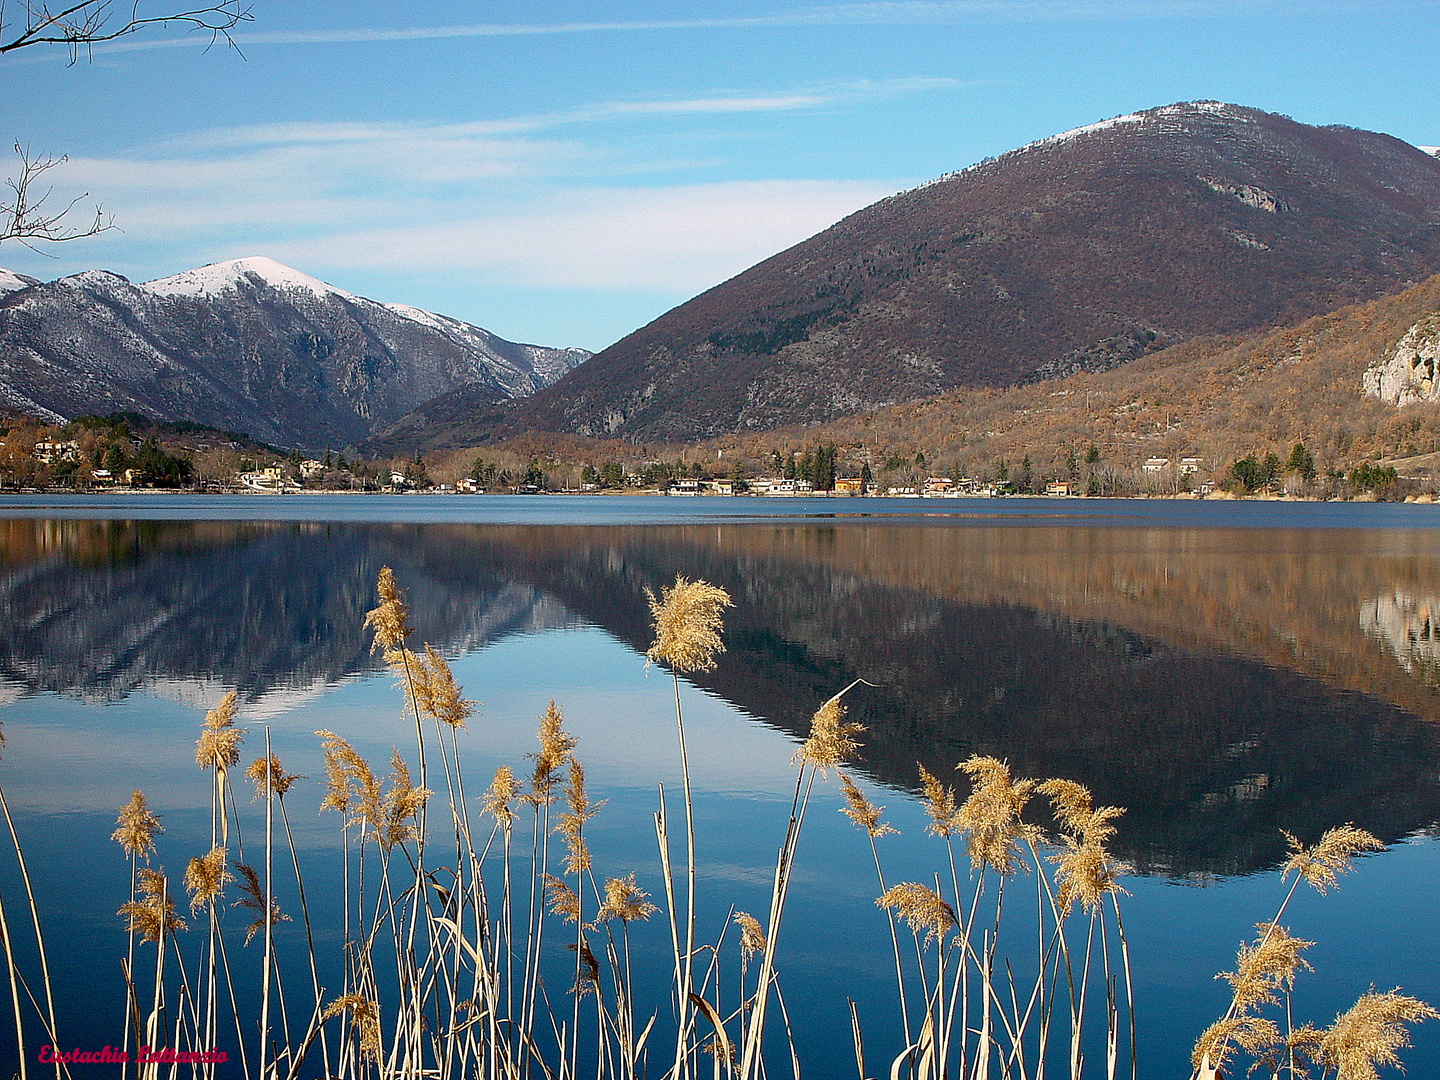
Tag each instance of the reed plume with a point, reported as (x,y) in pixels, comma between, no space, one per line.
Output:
(253,899)
(562,899)
(1369,1033)
(400,806)
(1253,1034)
(136,827)
(1268,965)
(1084,874)
(1074,810)
(1295,1053)
(832,738)
(219,744)
(921,907)
(436,692)
(350,784)
(587,969)
(388,618)
(503,791)
(939,804)
(752,938)
(624,900)
(204,878)
(687,625)
(991,816)
(364,1020)
(861,810)
(154,912)
(1084,871)
(571,823)
(555,746)
(1332,856)
(267,774)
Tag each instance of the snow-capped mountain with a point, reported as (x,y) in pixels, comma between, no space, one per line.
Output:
(247,344)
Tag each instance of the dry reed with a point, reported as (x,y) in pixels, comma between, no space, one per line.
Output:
(438,978)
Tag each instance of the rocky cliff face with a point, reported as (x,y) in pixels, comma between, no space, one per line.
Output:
(1409,375)
(249,345)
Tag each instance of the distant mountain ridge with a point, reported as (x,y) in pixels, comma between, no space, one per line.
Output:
(1078,252)
(247,344)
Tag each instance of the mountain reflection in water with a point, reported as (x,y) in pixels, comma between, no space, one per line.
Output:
(1220,684)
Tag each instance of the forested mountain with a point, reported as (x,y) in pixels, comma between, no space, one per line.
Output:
(1080,252)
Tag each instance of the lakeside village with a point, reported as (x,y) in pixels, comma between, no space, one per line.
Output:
(129,452)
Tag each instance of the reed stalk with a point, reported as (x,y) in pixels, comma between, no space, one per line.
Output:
(11,970)
(35,922)
(435,984)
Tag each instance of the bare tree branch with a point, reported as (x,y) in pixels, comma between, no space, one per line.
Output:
(82,24)
(27,219)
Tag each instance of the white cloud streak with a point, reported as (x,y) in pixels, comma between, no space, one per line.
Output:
(440,198)
(883,12)
(597,112)
(680,238)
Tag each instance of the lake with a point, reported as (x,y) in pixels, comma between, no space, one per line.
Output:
(1222,670)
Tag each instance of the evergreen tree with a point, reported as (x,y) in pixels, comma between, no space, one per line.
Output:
(1271,465)
(416,473)
(1301,462)
(821,473)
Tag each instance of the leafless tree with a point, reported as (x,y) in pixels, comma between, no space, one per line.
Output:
(28,216)
(81,25)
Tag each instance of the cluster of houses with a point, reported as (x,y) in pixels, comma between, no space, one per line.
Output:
(935,487)
(275,478)
(55,452)
(280,479)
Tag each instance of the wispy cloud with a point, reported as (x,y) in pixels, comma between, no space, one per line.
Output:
(678,238)
(441,197)
(882,12)
(596,112)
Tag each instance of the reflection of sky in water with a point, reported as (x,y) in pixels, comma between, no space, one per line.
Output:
(69,764)
(1229,664)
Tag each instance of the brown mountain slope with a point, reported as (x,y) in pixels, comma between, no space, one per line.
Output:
(1078,252)
(1217,398)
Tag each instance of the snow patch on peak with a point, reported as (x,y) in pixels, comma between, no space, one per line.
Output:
(1164,112)
(1433,151)
(225,276)
(420,315)
(104,279)
(13,282)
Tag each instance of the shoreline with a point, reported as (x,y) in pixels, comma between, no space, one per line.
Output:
(248,493)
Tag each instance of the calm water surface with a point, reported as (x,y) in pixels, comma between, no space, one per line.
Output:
(1222,670)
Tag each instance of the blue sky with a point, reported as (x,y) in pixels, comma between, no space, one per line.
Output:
(564,172)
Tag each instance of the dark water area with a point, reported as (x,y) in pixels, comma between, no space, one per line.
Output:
(1222,671)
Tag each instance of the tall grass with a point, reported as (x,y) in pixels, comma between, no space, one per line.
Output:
(1010,958)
